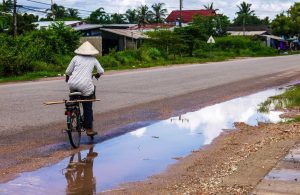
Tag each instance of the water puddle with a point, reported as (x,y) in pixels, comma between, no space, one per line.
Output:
(284,175)
(141,153)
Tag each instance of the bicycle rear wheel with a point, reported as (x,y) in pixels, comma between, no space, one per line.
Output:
(74,129)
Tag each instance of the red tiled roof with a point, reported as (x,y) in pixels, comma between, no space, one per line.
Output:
(187,15)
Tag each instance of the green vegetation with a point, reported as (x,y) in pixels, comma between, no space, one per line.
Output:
(154,53)
(47,52)
(288,99)
(44,50)
(288,24)
(246,16)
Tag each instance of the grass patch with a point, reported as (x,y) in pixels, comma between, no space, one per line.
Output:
(29,76)
(290,98)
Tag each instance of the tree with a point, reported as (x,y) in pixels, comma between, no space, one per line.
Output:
(294,14)
(244,12)
(158,13)
(281,25)
(166,41)
(57,11)
(5,14)
(99,16)
(190,36)
(144,15)
(210,7)
(25,23)
(212,25)
(266,21)
(131,16)
(287,24)
(6,6)
(73,13)
(117,18)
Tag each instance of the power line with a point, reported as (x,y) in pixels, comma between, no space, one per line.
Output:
(31,9)
(39,2)
(43,3)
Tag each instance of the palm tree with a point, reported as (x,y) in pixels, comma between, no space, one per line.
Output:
(58,11)
(245,11)
(6,6)
(131,16)
(73,13)
(144,15)
(99,16)
(158,12)
(210,6)
(117,18)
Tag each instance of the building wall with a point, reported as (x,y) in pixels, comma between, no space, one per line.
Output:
(96,41)
(131,44)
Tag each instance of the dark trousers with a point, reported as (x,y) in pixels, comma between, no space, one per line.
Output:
(88,110)
(88,115)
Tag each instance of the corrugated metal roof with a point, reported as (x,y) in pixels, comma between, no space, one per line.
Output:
(275,37)
(135,34)
(119,25)
(46,24)
(88,26)
(187,15)
(247,33)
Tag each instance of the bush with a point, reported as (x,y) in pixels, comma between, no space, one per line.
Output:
(32,51)
(154,53)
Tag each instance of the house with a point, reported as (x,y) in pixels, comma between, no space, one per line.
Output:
(187,15)
(111,36)
(276,42)
(120,39)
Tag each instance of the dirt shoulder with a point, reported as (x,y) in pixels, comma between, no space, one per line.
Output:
(41,146)
(234,164)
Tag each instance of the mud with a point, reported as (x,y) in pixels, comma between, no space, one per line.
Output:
(40,146)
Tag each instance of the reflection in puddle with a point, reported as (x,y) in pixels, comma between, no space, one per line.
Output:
(79,174)
(141,153)
(284,175)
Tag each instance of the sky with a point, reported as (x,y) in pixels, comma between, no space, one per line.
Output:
(262,8)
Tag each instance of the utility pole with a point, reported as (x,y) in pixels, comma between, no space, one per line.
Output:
(180,13)
(15,18)
(52,9)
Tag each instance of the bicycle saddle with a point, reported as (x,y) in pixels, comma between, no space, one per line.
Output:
(76,93)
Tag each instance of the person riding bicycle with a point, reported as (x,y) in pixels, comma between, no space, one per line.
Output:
(79,78)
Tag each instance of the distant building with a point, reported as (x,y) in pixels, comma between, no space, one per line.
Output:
(106,37)
(46,24)
(247,33)
(187,15)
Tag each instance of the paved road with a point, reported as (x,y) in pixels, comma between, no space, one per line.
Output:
(22,103)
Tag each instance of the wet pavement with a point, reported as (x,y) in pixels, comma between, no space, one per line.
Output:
(284,178)
(142,152)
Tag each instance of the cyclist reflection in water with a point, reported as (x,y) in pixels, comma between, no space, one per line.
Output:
(79,174)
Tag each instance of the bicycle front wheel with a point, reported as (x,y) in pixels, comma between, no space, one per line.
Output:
(74,129)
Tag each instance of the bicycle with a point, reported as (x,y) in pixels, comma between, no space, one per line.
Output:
(73,111)
(74,119)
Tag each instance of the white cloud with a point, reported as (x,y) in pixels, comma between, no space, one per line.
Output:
(212,120)
(139,132)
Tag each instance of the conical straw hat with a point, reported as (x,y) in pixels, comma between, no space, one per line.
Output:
(87,49)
